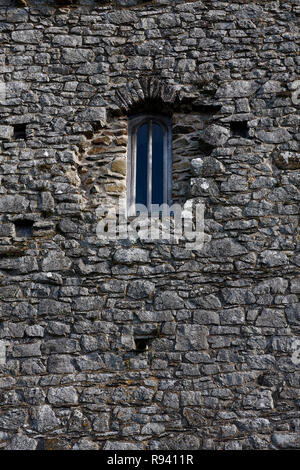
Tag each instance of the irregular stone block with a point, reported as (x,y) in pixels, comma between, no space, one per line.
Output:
(233,316)
(215,135)
(93,114)
(122,445)
(12,420)
(76,56)
(27,36)
(293,314)
(20,442)
(2,352)
(168,300)
(206,317)
(272,258)
(235,183)
(60,364)
(60,345)
(287,160)
(239,296)
(53,307)
(204,187)
(33,367)
(191,337)
(225,247)
(62,396)
(207,167)
(47,202)
(140,289)
(131,256)
(85,444)
(13,204)
(6,132)
(286,440)
(27,350)
(237,89)
(277,136)
(259,400)
(34,330)
(56,261)
(44,419)
(101,423)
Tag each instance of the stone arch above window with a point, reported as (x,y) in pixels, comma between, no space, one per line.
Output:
(146,94)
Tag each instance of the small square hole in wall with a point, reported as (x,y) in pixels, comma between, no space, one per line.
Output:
(20,131)
(23,228)
(239,128)
(141,344)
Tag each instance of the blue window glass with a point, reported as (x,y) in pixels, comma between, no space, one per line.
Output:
(149,161)
(142,164)
(157,164)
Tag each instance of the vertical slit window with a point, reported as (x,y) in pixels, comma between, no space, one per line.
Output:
(141,164)
(149,162)
(157,164)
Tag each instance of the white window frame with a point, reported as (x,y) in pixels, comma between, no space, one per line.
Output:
(134,123)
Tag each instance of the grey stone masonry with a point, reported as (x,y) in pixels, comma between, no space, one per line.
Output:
(149,345)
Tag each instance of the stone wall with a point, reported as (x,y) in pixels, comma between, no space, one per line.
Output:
(149,346)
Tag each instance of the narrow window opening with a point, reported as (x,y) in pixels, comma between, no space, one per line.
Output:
(20,131)
(157,164)
(141,164)
(23,228)
(239,128)
(149,162)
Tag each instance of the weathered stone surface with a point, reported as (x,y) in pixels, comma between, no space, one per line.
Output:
(85,444)
(293,314)
(27,36)
(215,135)
(93,114)
(287,160)
(237,89)
(168,300)
(122,445)
(233,316)
(271,317)
(14,204)
(56,261)
(20,442)
(44,419)
(225,247)
(131,255)
(259,400)
(12,420)
(149,344)
(60,364)
(274,137)
(191,337)
(62,396)
(27,350)
(207,166)
(273,258)
(6,132)
(140,289)
(52,307)
(286,441)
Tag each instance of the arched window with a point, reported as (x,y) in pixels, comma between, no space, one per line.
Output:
(149,165)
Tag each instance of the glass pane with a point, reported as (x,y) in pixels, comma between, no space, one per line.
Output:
(157,164)
(142,164)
